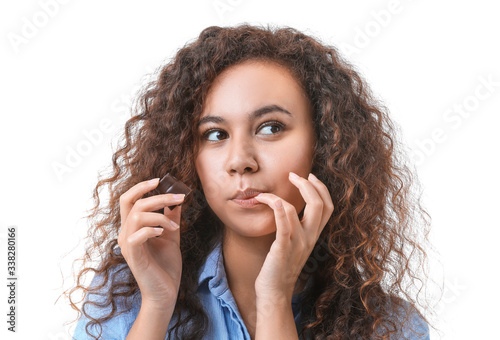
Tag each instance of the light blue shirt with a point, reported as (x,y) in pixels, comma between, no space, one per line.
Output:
(217,300)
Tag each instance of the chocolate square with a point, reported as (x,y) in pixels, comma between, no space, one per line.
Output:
(171,185)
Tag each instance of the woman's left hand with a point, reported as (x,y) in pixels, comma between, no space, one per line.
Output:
(295,239)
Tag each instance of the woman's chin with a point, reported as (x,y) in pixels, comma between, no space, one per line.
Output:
(251,228)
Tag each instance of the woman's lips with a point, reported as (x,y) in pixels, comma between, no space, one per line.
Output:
(246,203)
(245,198)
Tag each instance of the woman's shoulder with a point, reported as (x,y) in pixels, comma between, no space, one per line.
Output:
(410,322)
(116,315)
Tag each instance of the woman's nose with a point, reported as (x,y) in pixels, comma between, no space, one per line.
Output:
(241,158)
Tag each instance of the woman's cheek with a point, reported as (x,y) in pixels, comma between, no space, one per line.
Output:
(212,178)
(211,190)
(301,164)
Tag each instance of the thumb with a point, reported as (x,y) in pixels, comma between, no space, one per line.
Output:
(174,214)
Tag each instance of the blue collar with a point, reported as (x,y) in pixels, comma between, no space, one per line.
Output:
(213,266)
(213,276)
(213,271)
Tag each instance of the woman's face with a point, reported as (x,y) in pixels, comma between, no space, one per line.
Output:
(256,127)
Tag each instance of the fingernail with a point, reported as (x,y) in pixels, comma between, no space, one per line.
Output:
(178,197)
(312,177)
(293,175)
(158,230)
(175,225)
(153,181)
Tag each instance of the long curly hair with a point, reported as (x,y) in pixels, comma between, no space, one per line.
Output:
(372,256)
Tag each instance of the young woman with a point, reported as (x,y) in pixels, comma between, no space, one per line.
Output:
(300,223)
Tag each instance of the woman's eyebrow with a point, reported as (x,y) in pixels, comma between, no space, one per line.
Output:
(253,115)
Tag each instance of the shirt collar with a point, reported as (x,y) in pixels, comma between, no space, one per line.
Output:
(213,269)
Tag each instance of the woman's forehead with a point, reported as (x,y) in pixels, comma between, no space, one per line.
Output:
(250,86)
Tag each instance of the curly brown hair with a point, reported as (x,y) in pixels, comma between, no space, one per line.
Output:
(373,245)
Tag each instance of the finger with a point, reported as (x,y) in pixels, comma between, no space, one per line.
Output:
(314,202)
(135,240)
(174,214)
(328,206)
(157,202)
(279,206)
(138,220)
(128,198)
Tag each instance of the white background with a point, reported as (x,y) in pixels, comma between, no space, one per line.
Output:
(69,67)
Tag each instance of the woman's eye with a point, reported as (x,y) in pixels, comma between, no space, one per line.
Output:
(271,128)
(214,135)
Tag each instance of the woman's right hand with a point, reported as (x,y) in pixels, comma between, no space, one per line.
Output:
(155,262)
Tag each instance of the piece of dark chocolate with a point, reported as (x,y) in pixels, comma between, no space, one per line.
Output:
(171,185)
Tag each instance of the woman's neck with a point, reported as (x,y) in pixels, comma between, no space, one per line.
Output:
(243,260)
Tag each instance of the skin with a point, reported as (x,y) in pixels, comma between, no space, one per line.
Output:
(153,255)
(265,246)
